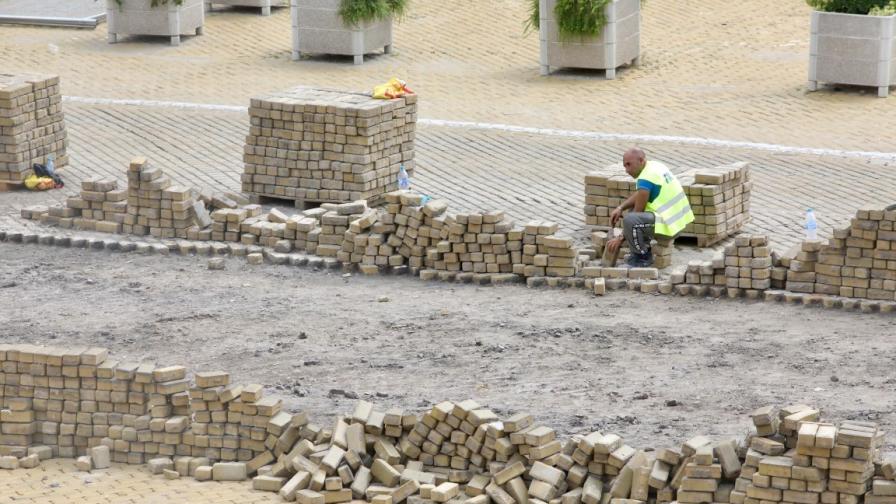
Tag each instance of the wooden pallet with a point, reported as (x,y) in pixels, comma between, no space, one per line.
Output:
(267,199)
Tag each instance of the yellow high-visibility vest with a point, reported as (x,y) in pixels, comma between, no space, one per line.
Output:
(671,207)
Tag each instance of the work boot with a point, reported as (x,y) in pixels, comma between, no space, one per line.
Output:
(639,260)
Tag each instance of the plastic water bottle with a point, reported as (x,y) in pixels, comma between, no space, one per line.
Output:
(811,225)
(404,182)
(51,167)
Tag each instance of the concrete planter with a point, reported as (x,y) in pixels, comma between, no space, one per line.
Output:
(618,44)
(138,17)
(317,28)
(853,49)
(264,5)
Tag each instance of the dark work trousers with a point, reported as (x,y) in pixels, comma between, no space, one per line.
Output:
(637,227)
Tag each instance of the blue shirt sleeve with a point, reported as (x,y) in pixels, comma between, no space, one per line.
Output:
(652,189)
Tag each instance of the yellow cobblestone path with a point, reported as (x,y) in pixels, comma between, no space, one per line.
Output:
(57,482)
(730,70)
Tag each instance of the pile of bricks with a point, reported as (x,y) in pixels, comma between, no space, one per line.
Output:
(534,258)
(362,247)
(748,263)
(474,243)
(419,227)
(304,229)
(334,224)
(823,464)
(157,208)
(858,262)
(719,198)
(32,125)
(314,145)
(78,403)
(227,222)
(270,230)
(102,206)
(883,488)
(745,268)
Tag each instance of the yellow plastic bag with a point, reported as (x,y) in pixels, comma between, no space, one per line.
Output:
(395,88)
(35,183)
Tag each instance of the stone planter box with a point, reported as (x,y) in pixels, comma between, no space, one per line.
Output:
(853,49)
(264,5)
(618,44)
(317,28)
(138,17)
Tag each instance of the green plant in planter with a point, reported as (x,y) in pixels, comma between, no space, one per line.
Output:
(155,3)
(355,12)
(575,18)
(873,7)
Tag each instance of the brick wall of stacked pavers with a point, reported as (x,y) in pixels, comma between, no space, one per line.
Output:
(80,402)
(31,124)
(413,233)
(315,145)
(719,197)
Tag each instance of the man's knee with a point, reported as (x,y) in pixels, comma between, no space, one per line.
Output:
(630,220)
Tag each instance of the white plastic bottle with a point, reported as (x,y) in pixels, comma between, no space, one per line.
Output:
(404,182)
(811,225)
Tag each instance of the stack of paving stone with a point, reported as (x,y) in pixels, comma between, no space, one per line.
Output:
(335,222)
(819,468)
(102,206)
(858,262)
(226,223)
(883,488)
(535,254)
(356,240)
(32,125)
(706,276)
(456,437)
(801,268)
(748,264)
(851,463)
(314,145)
(473,243)
(719,197)
(419,225)
(701,475)
(304,229)
(232,422)
(156,207)
(270,230)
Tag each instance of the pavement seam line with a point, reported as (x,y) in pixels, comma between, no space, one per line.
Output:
(552,132)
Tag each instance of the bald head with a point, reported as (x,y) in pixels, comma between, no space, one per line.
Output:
(634,160)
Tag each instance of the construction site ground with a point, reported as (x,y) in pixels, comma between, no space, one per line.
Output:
(321,340)
(718,83)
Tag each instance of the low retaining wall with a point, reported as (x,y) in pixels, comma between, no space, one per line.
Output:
(414,234)
(70,402)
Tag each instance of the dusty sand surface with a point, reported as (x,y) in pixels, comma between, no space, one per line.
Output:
(576,361)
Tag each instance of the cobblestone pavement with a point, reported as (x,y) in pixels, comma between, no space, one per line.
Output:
(528,176)
(57,482)
(731,70)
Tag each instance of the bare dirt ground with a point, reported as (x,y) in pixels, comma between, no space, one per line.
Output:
(575,361)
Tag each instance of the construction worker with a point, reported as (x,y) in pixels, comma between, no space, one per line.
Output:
(659,206)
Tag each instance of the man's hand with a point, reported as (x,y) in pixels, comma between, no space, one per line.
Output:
(615,216)
(614,244)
